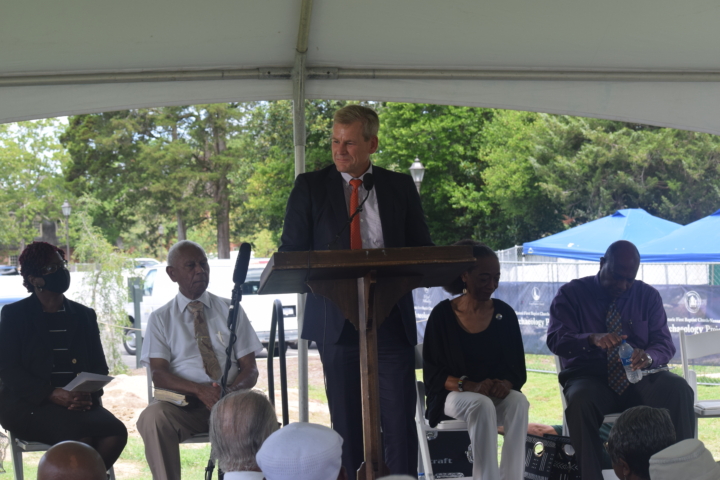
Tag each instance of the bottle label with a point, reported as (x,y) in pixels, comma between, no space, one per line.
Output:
(626,361)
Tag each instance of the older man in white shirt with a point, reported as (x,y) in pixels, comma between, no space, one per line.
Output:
(184,347)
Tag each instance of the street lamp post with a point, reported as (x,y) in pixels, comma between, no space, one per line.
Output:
(417,171)
(66,209)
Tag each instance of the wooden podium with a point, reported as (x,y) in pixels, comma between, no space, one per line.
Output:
(365,285)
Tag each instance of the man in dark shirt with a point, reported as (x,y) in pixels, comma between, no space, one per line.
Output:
(589,318)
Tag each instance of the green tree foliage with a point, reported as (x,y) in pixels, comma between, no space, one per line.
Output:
(155,167)
(31,187)
(222,173)
(270,170)
(590,168)
(511,208)
(447,140)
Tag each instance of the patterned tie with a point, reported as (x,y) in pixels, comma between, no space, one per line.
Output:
(202,337)
(355,237)
(617,379)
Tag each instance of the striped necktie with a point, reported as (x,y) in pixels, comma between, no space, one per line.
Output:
(617,379)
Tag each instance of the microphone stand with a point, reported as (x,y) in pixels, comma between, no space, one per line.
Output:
(232,326)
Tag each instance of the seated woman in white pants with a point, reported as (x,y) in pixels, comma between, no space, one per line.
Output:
(474,367)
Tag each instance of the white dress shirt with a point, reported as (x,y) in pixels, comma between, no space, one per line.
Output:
(370,226)
(170,335)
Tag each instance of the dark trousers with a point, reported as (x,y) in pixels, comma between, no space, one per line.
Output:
(589,399)
(341,364)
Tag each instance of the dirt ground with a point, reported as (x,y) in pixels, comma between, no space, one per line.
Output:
(127,395)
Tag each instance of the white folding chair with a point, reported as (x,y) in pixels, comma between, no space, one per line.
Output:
(197,438)
(696,346)
(19,446)
(609,418)
(423,427)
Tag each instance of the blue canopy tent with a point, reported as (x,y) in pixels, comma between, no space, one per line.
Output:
(589,241)
(696,242)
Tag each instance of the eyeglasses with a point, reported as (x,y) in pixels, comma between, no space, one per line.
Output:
(52,268)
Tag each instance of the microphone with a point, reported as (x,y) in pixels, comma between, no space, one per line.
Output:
(368,183)
(241,264)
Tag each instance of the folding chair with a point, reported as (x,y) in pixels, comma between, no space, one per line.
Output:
(197,438)
(696,346)
(423,427)
(609,418)
(19,446)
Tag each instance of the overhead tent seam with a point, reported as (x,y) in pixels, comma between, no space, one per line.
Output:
(335,73)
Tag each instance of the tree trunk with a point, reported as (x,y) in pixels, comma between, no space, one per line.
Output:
(181,228)
(223,226)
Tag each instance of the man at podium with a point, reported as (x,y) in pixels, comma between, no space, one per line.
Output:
(318,218)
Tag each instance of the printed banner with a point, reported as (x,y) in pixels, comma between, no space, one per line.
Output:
(689,308)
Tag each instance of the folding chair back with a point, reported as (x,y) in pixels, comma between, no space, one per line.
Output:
(697,346)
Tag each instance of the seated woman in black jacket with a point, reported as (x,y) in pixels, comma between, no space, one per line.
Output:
(474,367)
(45,341)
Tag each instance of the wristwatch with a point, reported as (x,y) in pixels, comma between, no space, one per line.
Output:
(460,383)
(649,358)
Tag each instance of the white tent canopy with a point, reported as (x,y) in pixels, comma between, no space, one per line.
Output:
(647,61)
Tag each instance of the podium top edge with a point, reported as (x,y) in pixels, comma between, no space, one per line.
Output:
(293,269)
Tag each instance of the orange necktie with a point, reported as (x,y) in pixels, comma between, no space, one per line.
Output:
(355,237)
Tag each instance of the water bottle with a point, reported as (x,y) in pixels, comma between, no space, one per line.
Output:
(625,353)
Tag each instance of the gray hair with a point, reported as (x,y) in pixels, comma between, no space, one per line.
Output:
(239,424)
(357,113)
(638,434)
(174,251)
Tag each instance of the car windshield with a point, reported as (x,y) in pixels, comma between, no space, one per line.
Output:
(252,281)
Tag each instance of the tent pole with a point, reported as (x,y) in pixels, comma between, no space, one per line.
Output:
(299,74)
(333,73)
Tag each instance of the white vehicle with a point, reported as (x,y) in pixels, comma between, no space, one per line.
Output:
(159,290)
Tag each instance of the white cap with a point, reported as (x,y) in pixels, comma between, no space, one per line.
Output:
(687,459)
(301,451)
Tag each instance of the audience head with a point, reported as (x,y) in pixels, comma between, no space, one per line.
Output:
(619,267)
(687,459)
(302,451)
(188,267)
(34,261)
(639,433)
(71,461)
(239,424)
(480,280)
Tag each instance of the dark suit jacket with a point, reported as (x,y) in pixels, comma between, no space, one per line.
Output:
(26,359)
(317,211)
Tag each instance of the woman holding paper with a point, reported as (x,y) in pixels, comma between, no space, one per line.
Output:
(46,340)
